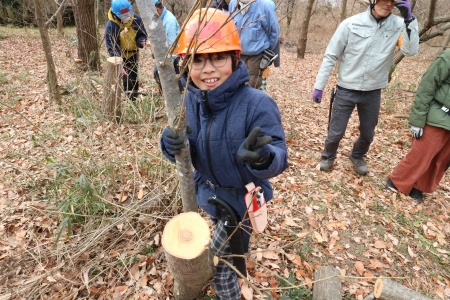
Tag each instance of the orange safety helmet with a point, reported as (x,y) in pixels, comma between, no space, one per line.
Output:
(211,35)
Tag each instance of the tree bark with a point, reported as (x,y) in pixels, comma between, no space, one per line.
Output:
(386,289)
(59,18)
(52,79)
(304,30)
(329,289)
(84,11)
(112,89)
(174,105)
(186,240)
(343,10)
(289,9)
(446,42)
(106,7)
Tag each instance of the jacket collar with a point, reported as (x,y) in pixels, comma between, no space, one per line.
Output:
(164,12)
(221,97)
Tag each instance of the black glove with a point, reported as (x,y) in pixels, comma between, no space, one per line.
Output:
(255,150)
(172,141)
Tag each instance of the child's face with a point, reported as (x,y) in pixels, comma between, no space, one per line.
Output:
(208,71)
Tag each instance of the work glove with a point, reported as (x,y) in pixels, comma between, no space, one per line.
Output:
(317,96)
(255,150)
(416,132)
(404,6)
(172,141)
(123,73)
(267,58)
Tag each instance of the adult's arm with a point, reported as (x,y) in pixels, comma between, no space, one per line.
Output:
(334,51)
(410,40)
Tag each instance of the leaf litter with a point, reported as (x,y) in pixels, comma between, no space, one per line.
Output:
(315,219)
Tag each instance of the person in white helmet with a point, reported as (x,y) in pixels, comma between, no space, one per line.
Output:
(365,45)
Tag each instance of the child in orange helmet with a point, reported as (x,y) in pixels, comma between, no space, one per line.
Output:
(235,132)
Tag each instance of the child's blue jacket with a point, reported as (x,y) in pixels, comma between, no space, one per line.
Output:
(221,119)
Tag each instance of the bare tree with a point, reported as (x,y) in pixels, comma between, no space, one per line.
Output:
(84,11)
(106,7)
(289,9)
(446,42)
(52,79)
(301,48)
(59,19)
(343,10)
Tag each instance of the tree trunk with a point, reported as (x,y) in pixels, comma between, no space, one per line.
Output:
(446,42)
(59,18)
(328,289)
(84,11)
(289,9)
(112,89)
(304,31)
(386,289)
(106,7)
(174,104)
(343,10)
(186,240)
(52,79)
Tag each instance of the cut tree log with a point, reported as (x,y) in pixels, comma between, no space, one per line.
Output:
(112,89)
(186,239)
(386,289)
(329,287)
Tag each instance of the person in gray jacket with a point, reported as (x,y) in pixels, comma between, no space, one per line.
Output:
(365,45)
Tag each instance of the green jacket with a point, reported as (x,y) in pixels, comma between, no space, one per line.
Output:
(434,87)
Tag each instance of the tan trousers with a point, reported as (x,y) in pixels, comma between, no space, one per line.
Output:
(425,164)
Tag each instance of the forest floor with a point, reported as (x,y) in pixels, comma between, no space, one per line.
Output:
(60,240)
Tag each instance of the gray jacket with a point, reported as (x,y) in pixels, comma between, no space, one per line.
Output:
(366,50)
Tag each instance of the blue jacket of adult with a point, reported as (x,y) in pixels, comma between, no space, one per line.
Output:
(171,26)
(258,27)
(221,119)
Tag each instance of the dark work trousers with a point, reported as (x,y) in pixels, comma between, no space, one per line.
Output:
(175,60)
(252,62)
(368,105)
(130,82)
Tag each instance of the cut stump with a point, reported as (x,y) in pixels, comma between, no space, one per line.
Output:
(112,89)
(186,239)
(386,289)
(330,288)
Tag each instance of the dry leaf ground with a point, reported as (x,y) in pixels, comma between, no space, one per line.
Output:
(55,160)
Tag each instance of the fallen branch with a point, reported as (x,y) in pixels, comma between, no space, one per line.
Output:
(386,289)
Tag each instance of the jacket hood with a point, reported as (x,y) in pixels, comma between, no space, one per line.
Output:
(219,97)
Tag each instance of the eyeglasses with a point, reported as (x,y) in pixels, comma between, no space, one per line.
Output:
(217,60)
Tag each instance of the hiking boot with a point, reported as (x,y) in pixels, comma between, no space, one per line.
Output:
(359,164)
(326,164)
(416,195)
(390,185)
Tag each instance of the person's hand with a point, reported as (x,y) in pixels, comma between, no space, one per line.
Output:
(172,141)
(255,150)
(404,6)
(123,73)
(317,96)
(416,132)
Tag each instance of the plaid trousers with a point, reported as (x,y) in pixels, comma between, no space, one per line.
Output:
(225,282)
